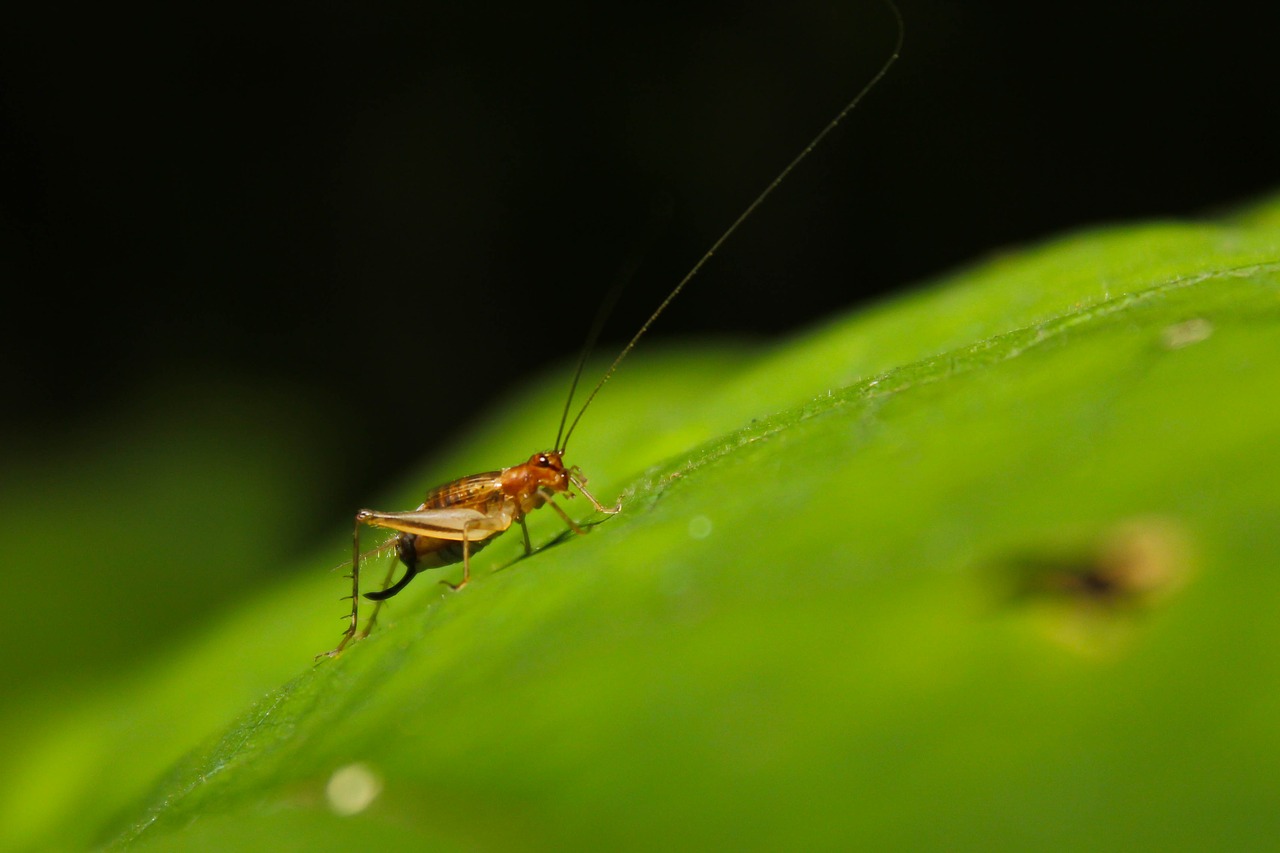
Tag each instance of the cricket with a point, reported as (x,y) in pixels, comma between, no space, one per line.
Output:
(459,518)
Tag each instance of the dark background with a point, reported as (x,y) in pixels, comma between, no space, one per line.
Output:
(379,217)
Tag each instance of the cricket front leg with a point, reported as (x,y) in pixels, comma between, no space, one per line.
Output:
(548,498)
(580,484)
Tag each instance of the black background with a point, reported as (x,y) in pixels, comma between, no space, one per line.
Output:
(388,214)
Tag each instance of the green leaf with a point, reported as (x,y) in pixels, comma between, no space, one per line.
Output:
(990,565)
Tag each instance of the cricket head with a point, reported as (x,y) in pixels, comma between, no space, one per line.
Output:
(531,483)
(549,470)
(544,470)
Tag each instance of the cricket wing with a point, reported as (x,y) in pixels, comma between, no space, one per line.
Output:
(474,491)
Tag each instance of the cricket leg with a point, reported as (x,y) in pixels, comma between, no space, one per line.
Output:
(466,564)
(355,594)
(573,525)
(580,484)
(524,528)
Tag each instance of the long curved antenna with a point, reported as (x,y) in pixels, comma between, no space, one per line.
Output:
(606,308)
(751,208)
(626,272)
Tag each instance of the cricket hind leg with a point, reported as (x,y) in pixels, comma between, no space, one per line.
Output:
(349,634)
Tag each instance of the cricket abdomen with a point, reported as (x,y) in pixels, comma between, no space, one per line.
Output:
(426,552)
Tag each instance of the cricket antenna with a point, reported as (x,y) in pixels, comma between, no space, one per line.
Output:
(606,308)
(625,274)
(715,247)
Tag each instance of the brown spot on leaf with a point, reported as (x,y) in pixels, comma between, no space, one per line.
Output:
(1089,590)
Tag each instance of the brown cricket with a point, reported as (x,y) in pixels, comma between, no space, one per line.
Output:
(457,519)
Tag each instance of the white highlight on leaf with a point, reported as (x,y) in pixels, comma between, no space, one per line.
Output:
(1185,334)
(352,788)
(699,527)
